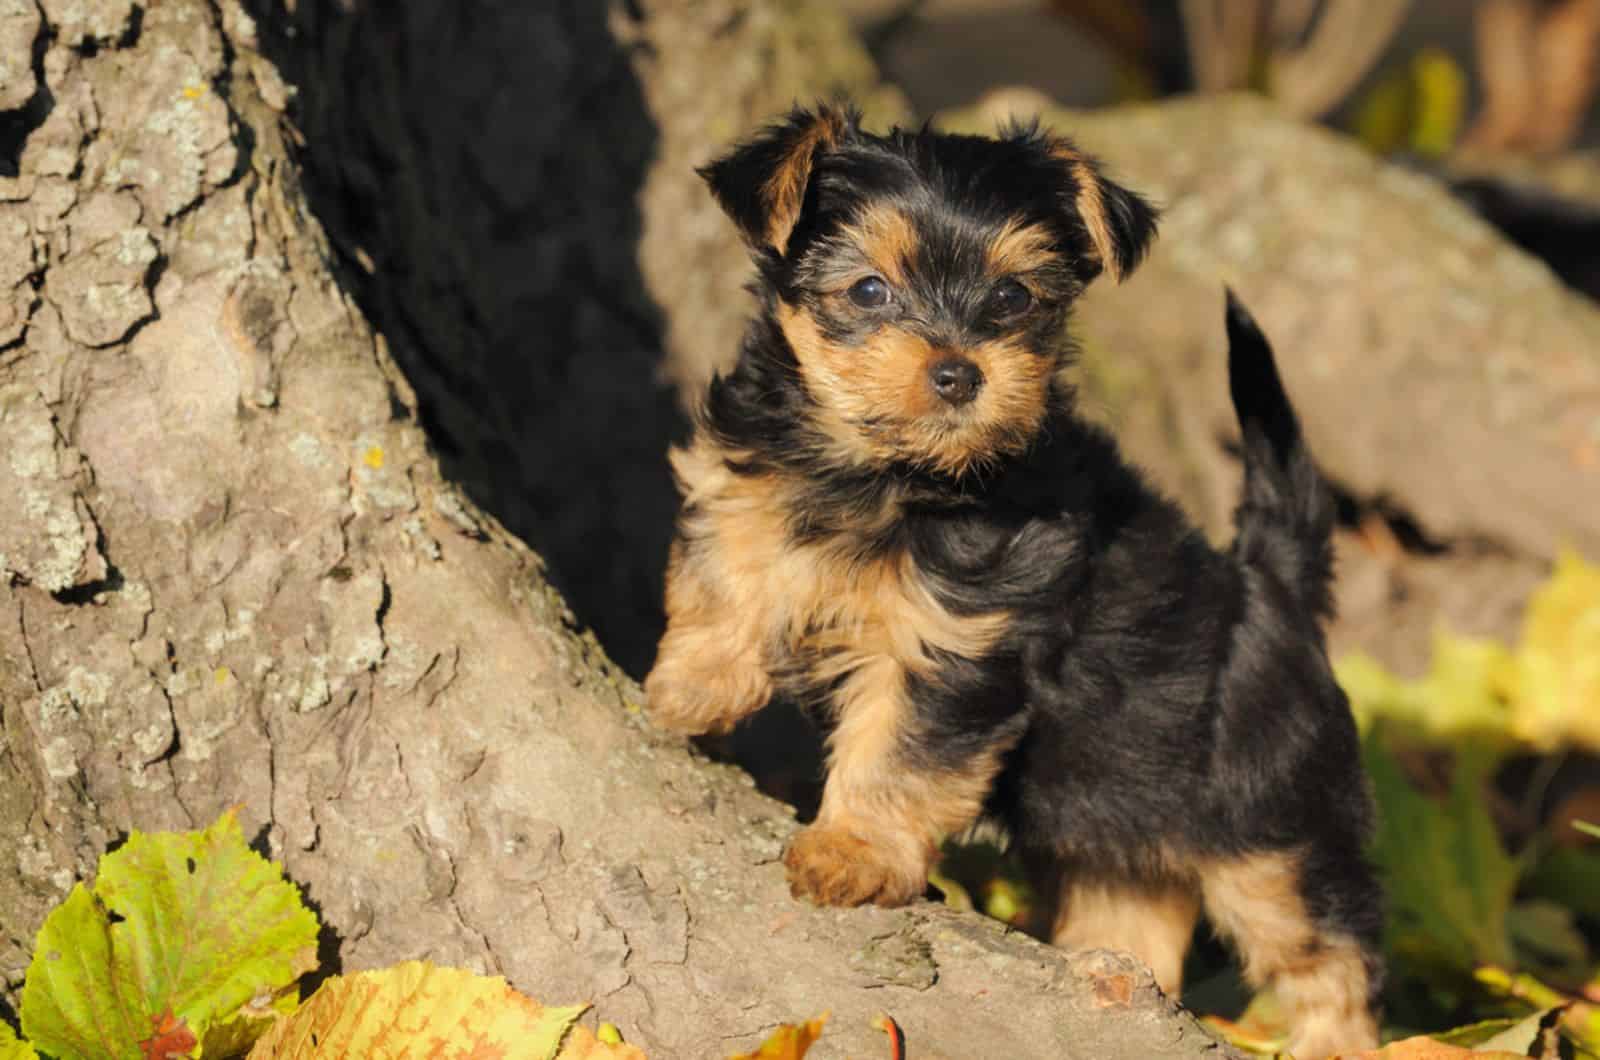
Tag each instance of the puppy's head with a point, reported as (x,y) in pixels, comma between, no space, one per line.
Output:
(922,281)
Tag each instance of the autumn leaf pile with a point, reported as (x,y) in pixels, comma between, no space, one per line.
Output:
(191,945)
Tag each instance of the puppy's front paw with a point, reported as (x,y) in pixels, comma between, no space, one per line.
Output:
(696,700)
(833,866)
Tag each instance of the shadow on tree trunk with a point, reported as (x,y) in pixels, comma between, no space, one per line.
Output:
(477,166)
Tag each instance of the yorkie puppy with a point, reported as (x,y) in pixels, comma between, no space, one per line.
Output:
(891,511)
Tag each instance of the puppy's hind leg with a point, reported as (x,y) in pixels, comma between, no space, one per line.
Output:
(1152,921)
(1315,950)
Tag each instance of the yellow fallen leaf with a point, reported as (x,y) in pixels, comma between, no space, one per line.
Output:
(416,1010)
(584,1044)
(1545,693)
(1554,684)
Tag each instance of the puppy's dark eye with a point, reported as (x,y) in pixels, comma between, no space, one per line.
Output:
(1009,298)
(870,292)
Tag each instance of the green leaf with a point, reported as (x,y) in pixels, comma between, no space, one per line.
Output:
(955,895)
(1569,876)
(1475,1034)
(70,1004)
(1522,1036)
(1450,881)
(1587,829)
(1580,1020)
(13,1049)
(1547,941)
(193,925)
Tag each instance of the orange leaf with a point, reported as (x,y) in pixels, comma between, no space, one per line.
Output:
(788,1042)
(897,1040)
(582,1044)
(172,1040)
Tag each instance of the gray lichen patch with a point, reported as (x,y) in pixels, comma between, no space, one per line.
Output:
(78,22)
(21,257)
(19,27)
(53,149)
(52,543)
(381,475)
(174,137)
(345,641)
(101,286)
(206,704)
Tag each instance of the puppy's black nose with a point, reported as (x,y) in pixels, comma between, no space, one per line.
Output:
(955,379)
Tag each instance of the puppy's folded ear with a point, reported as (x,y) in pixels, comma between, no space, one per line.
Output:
(1120,224)
(762,184)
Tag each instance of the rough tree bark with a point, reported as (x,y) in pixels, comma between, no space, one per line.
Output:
(233,574)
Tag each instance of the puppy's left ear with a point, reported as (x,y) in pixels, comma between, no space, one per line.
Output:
(762,184)
(1120,223)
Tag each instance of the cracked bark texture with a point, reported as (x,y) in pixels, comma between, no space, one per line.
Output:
(233,574)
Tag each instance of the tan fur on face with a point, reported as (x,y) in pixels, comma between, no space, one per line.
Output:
(877,404)
(887,238)
(1320,978)
(1153,921)
(1018,249)
(785,190)
(1091,206)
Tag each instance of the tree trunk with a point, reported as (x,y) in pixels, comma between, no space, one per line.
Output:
(233,573)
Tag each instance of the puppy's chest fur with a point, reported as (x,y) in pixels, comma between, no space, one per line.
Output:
(835,609)
(937,624)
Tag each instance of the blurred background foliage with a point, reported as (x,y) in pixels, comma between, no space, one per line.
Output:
(1428,75)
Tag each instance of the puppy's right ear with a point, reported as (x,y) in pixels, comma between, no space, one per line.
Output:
(762,184)
(1120,224)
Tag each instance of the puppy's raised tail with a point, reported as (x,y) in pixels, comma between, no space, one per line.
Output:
(1285,518)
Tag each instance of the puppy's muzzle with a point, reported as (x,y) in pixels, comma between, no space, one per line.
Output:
(956,380)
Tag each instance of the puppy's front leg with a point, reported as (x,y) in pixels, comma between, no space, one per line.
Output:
(884,809)
(709,672)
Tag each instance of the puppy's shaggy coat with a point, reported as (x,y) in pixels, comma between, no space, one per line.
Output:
(892,512)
